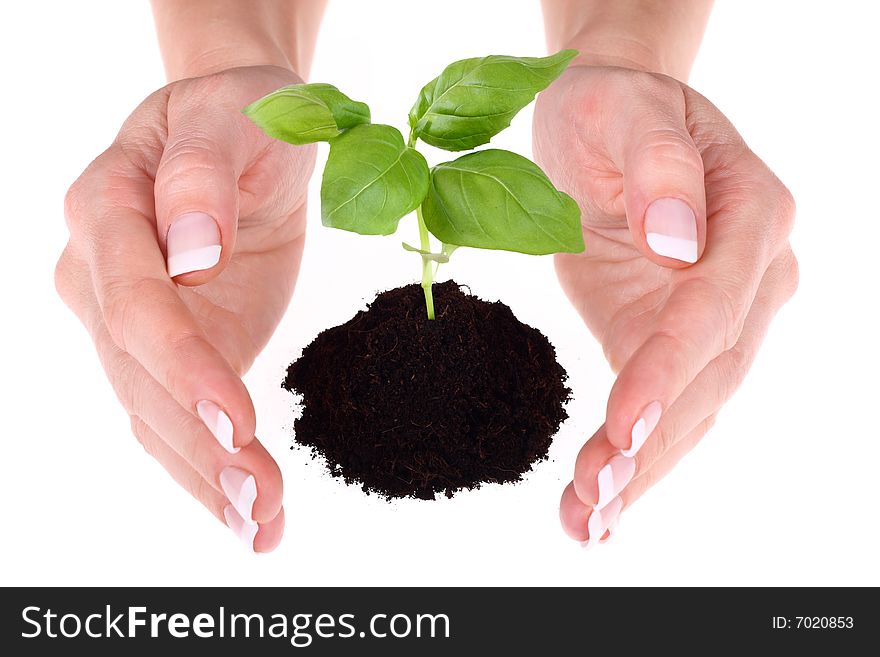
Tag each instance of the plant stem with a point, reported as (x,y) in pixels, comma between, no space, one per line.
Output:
(427,269)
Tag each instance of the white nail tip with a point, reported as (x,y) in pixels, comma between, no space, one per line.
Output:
(245,531)
(241,491)
(198,259)
(673,247)
(606,486)
(601,520)
(643,428)
(613,478)
(610,531)
(218,424)
(638,437)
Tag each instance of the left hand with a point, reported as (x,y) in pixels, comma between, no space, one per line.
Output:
(687,261)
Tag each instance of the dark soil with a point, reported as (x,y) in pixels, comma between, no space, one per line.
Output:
(409,407)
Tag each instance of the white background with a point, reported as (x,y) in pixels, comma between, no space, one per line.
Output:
(784,490)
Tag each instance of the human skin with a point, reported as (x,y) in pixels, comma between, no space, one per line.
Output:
(687,255)
(177,320)
(186,236)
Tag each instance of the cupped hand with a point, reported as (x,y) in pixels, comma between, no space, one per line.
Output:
(185,241)
(687,261)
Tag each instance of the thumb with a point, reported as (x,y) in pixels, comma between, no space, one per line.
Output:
(664,190)
(196,194)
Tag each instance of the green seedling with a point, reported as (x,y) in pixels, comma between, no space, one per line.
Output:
(487,199)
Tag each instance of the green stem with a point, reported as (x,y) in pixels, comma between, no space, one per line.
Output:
(427,270)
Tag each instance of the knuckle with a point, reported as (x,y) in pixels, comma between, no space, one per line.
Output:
(708,423)
(664,437)
(785,208)
(616,352)
(181,349)
(667,146)
(705,314)
(732,313)
(116,310)
(198,487)
(730,373)
(73,202)
(196,153)
(123,373)
(123,298)
(739,361)
(791,273)
(84,196)
(681,350)
(63,274)
(190,163)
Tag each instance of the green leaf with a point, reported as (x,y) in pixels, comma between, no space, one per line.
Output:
(473,100)
(306,113)
(496,199)
(372,179)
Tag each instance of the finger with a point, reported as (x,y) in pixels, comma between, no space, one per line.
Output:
(196,190)
(591,525)
(250,480)
(663,179)
(263,537)
(602,472)
(702,317)
(584,523)
(260,498)
(111,223)
(664,465)
(717,383)
(181,471)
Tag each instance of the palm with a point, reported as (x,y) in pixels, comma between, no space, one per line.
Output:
(621,294)
(616,291)
(240,309)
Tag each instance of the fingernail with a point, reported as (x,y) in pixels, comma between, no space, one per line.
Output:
(600,521)
(643,428)
(613,478)
(241,490)
(193,243)
(218,423)
(671,229)
(609,534)
(246,531)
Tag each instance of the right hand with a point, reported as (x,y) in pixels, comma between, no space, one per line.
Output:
(175,323)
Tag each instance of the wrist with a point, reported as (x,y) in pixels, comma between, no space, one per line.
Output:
(200,37)
(627,51)
(619,51)
(196,63)
(645,35)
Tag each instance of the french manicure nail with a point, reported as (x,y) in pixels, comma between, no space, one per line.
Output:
(643,428)
(612,530)
(671,229)
(613,478)
(193,244)
(241,490)
(246,531)
(601,520)
(218,423)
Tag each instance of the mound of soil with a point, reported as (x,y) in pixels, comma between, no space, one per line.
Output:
(409,407)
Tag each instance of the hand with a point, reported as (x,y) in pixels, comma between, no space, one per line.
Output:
(687,260)
(185,241)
